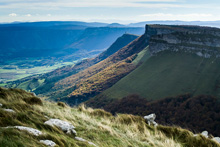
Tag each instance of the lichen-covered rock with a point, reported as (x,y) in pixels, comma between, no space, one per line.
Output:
(9,110)
(48,142)
(205,134)
(217,139)
(83,140)
(33,131)
(63,125)
(150,119)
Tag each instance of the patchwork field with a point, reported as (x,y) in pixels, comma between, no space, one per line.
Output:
(18,69)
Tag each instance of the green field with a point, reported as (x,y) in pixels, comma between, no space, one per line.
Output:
(18,69)
(170,74)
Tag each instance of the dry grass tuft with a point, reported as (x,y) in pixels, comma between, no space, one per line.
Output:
(95,125)
(61,104)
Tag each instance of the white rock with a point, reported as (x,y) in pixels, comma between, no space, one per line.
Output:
(9,110)
(205,134)
(199,54)
(80,139)
(83,140)
(48,142)
(150,119)
(28,129)
(217,139)
(1,105)
(63,125)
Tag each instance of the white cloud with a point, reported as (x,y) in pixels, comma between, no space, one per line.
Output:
(185,17)
(49,15)
(12,15)
(28,15)
(90,3)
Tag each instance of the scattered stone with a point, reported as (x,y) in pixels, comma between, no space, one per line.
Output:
(1,105)
(217,139)
(9,110)
(65,126)
(205,134)
(33,131)
(48,142)
(150,119)
(83,140)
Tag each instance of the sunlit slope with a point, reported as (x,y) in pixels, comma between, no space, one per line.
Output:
(170,74)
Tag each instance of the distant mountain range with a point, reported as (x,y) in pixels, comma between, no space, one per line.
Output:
(69,40)
(194,23)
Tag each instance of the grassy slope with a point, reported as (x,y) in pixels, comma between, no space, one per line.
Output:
(170,74)
(97,126)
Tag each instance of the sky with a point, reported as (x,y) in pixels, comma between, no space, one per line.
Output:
(109,11)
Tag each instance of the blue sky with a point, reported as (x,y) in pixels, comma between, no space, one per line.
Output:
(122,11)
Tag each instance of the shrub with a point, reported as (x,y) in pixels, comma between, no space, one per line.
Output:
(33,101)
(61,104)
(101,113)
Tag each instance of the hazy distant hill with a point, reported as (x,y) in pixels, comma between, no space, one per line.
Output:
(69,40)
(196,23)
(102,37)
(42,84)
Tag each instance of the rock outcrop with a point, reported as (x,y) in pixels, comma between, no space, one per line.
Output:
(205,134)
(32,131)
(217,139)
(150,119)
(63,125)
(202,41)
(48,142)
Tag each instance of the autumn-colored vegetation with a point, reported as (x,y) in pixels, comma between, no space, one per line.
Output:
(196,113)
(102,75)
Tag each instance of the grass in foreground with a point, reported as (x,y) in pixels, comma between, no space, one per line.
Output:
(94,125)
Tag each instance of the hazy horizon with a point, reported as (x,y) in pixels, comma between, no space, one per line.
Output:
(108,11)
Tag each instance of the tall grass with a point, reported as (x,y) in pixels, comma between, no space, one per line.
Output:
(95,125)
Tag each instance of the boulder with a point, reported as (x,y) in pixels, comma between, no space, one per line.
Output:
(150,119)
(205,134)
(217,139)
(48,142)
(32,131)
(63,125)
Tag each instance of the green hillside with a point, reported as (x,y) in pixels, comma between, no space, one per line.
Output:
(94,125)
(170,74)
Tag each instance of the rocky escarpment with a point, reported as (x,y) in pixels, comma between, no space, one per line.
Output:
(203,41)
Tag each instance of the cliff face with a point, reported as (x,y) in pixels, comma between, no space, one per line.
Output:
(202,41)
